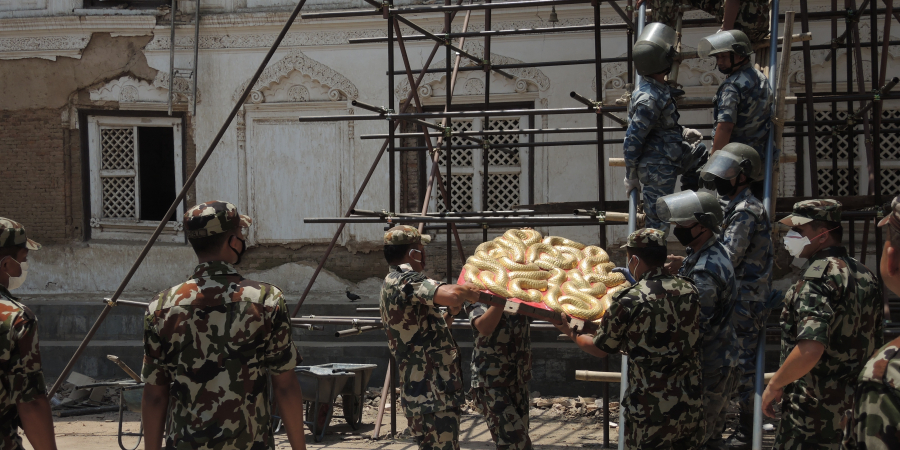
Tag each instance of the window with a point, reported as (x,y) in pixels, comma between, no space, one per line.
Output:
(135,173)
(126,3)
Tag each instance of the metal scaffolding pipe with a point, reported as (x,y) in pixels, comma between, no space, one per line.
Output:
(439,8)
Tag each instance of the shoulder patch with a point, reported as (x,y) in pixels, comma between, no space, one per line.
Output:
(816,269)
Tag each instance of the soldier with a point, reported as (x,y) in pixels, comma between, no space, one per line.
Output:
(831,324)
(211,344)
(655,153)
(747,235)
(742,110)
(874,421)
(23,394)
(750,16)
(697,216)
(427,356)
(501,369)
(664,362)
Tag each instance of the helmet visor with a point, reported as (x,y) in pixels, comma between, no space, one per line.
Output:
(661,35)
(723,165)
(716,43)
(679,207)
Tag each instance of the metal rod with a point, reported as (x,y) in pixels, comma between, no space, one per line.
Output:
(526,65)
(598,76)
(808,87)
(196,56)
(178,199)
(486,122)
(494,33)
(478,220)
(172,57)
(392,155)
(441,8)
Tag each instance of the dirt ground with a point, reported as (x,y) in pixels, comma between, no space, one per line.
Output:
(551,428)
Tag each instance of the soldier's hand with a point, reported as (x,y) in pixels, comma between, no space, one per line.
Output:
(454,310)
(563,325)
(638,4)
(691,135)
(471,292)
(769,397)
(631,184)
(674,263)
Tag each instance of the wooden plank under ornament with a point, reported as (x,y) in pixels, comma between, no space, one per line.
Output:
(516,306)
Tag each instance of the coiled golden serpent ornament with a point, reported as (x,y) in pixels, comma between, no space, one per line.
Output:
(565,275)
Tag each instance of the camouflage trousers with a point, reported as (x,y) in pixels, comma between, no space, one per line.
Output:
(658,180)
(752,18)
(749,317)
(506,411)
(678,427)
(436,431)
(808,423)
(872,424)
(717,387)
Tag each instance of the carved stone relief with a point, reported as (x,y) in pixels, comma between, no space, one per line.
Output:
(318,82)
(128,89)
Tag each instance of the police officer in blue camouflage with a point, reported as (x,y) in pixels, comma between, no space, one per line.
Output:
(697,217)
(747,235)
(654,147)
(428,358)
(742,110)
(501,369)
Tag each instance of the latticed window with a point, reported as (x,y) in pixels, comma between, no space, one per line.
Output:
(504,189)
(135,171)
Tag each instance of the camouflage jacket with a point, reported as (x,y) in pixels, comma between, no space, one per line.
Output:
(710,268)
(657,323)
(504,357)
(21,377)
(427,355)
(876,407)
(747,235)
(653,135)
(745,99)
(216,338)
(838,304)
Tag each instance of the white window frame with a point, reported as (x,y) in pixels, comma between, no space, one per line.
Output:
(477,170)
(130,228)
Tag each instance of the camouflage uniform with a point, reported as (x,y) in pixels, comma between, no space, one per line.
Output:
(752,18)
(216,338)
(21,377)
(656,323)
(745,99)
(838,304)
(710,268)
(501,370)
(747,235)
(427,355)
(654,150)
(873,421)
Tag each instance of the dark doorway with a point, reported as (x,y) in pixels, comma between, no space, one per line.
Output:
(157,167)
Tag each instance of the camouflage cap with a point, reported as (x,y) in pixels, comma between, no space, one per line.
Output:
(405,234)
(12,234)
(646,237)
(894,217)
(211,218)
(809,210)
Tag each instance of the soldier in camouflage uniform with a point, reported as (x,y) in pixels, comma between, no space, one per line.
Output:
(747,235)
(654,147)
(874,421)
(831,324)
(750,16)
(23,394)
(212,343)
(427,356)
(697,216)
(501,369)
(742,110)
(657,324)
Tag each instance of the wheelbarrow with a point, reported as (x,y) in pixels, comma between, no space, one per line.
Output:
(353,395)
(321,386)
(130,393)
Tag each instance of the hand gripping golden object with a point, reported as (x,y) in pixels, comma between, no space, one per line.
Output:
(565,275)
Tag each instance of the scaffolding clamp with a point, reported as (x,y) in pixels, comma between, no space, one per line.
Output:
(448,132)
(876,95)
(385,213)
(448,41)
(485,226)
(111,303)
(852,17)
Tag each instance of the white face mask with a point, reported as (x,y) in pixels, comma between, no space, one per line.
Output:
(16,282)
(635,266)
(795,243)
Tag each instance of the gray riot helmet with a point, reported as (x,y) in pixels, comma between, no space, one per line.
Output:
(731,161)
(655,49)
(734,41)
(689,206)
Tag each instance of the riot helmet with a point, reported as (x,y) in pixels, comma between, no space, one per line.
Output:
(654,51)
(734,41)
(731,161)
(688,206)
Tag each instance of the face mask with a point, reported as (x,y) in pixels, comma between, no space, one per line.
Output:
(420,261)
(16,282)
(724,187)
(684,235)
(240,254)
(794,242)
(635,266)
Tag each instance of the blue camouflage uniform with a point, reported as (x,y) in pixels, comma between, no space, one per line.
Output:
(654,150)
(710,268)
(747,235)
(745,99)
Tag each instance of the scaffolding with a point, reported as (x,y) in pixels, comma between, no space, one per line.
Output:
(441,140)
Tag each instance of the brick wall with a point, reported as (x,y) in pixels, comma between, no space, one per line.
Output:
(32,173)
